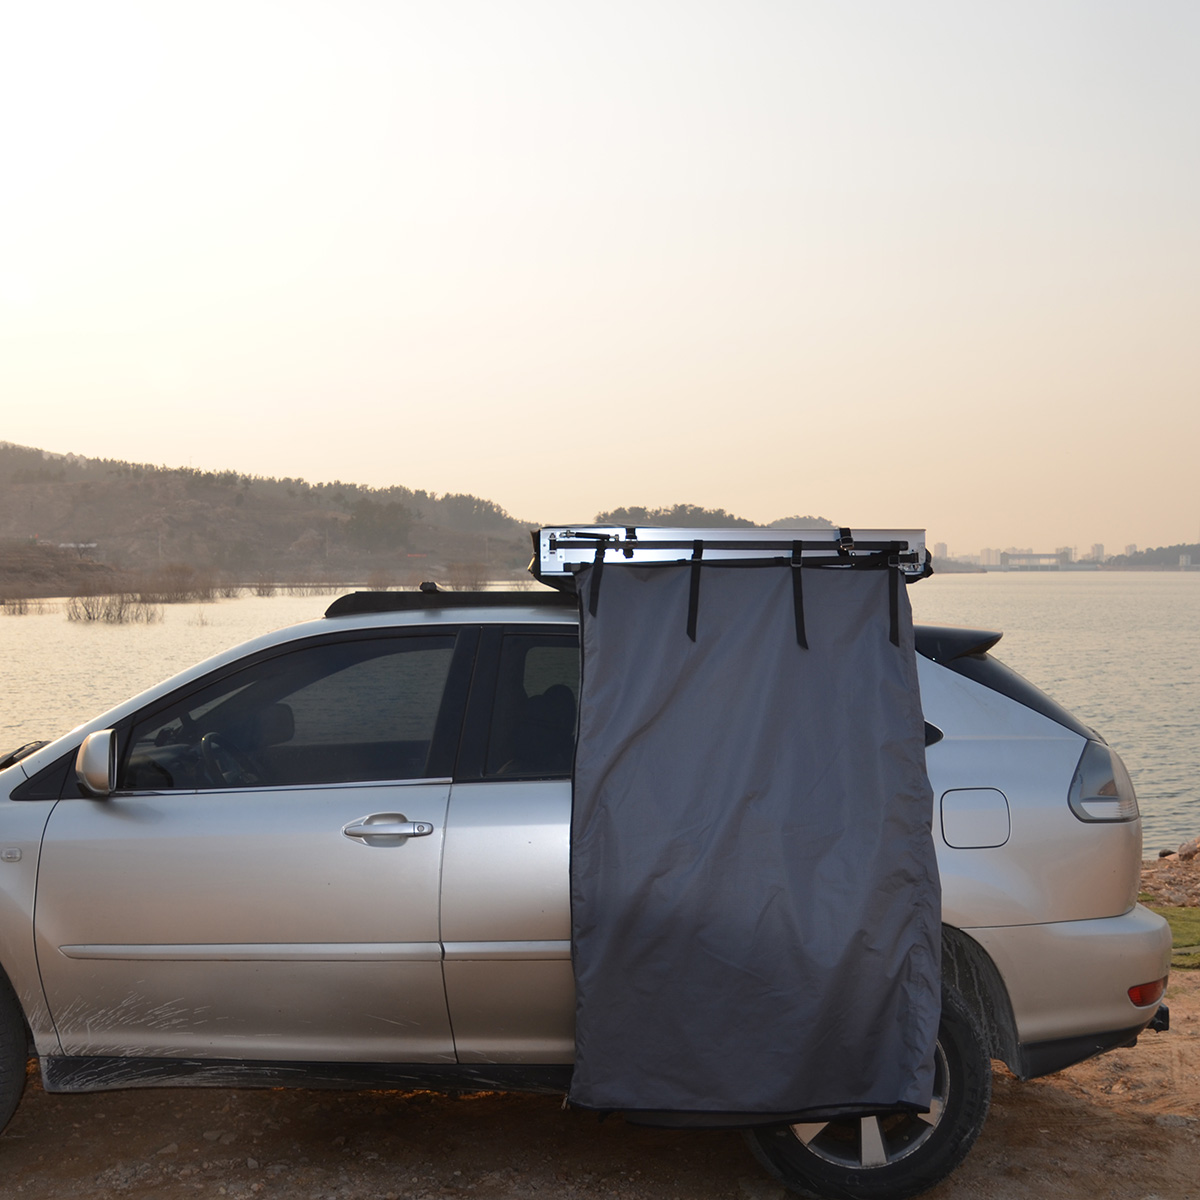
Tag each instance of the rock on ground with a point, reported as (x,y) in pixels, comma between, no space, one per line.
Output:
(1172,881)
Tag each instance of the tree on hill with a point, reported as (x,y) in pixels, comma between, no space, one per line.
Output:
(471,514)
(378,526)
(693,516)
(802,523)
(685,516)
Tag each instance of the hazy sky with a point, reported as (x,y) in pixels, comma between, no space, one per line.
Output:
(922,263)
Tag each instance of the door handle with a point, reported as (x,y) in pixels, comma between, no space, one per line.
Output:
(387,825)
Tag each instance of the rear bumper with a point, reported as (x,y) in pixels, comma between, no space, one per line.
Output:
(1044,1058)
(1068,984)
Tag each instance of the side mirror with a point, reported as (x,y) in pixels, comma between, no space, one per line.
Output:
(96,764)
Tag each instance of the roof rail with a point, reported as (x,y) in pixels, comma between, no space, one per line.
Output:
(358,603)
(560,550)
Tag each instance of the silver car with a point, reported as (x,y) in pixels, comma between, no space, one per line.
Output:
(339,854)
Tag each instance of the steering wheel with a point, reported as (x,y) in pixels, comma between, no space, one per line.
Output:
(224,764)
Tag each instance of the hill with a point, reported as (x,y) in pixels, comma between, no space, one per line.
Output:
(69,522)
(132,517)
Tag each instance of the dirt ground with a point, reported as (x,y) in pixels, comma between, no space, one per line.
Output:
(1125,1125)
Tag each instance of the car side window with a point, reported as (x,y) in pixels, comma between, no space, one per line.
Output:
(339,712)
(532,730)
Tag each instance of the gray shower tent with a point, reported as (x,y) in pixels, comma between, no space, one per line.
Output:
(755,897)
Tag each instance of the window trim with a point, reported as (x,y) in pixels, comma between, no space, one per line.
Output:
(266,788)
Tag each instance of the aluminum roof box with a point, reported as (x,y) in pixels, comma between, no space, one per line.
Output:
(560,550)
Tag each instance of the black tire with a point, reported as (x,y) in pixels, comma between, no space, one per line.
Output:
(14,1052)
(832,1160)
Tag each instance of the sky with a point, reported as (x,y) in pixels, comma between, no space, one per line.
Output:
(932,264)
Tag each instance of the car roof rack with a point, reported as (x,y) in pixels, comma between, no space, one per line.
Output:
(425,600)
(561,550)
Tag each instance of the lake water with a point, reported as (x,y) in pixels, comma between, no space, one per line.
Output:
(1120,649)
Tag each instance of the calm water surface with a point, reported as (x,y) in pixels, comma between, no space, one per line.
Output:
(1121,650)
(55,673)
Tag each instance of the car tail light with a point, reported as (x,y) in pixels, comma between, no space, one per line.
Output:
(1101,789)
(1148,993)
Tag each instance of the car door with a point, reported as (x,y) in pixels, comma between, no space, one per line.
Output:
(264,882)
(506,908)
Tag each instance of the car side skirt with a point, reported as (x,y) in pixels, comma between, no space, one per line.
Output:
(101,1074)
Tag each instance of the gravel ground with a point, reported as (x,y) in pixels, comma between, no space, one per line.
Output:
(1122,1126)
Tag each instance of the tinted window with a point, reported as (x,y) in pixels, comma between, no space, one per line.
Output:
(1000,677)
(341,712)
(532,730)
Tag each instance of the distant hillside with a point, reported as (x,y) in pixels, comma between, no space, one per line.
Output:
(32,569)
(1157,558)
(67,520)
(135,517)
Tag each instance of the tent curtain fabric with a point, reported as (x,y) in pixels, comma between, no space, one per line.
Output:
(755,898)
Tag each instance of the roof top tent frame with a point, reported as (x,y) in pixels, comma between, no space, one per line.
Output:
(560,550)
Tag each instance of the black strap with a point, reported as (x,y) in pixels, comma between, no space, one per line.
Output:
(597,571)
(694,593)
(798,593)
(894,602)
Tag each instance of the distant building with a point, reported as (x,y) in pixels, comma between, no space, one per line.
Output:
(1185,560)
(1066,553)
(1097,554)
(989,557)
(939,550)
(1027,560)
(1131,549)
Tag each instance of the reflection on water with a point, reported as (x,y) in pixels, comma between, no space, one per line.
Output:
(1122,650)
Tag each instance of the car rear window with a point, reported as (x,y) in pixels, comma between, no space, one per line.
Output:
(965,651)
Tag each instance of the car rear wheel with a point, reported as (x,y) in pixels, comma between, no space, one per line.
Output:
(890,1157)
